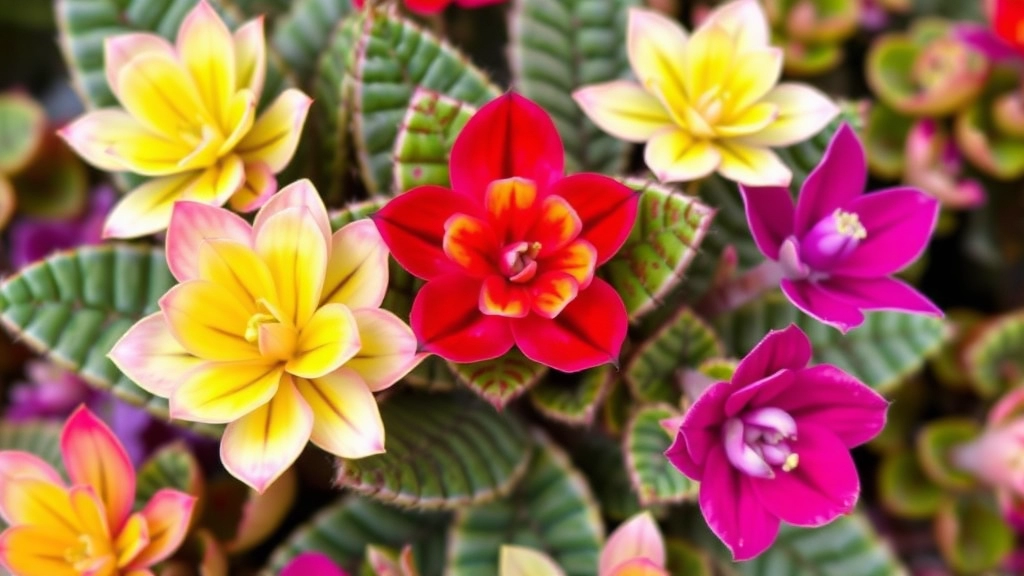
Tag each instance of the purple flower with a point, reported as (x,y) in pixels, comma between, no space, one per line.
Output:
(33,239)
(772,445)
(838,246)
(48,392)
(986,42)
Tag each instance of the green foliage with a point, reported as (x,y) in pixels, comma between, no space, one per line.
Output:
(935,444)
(35,437)
(904,488)
(973,536)
(331,114)
(173,466)
(303,34)
(602,461)
(501,380)
(425,139)
(573,398)
(685,341)
(22,126)
(995,357)
(654,478)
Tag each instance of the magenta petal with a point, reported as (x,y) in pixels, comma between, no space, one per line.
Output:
(982,39)
(837,180)
(702,422)
(679,455)
(770,214)
(787,348)
(732,509)
(829,398)
(312,563)
(822,305)
(759,393)
(823,486)
(880,294)
(899,224)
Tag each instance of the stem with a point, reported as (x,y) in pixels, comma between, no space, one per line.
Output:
(728,294)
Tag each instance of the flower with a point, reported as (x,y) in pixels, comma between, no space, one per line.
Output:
(772,444)
(436,6)
(708,102)
(934,165)
(312,563)
(275,330)
(50,391)
(35,239)
(1003,40)
(509,252)
(189,120)
(88,527)
(837,247)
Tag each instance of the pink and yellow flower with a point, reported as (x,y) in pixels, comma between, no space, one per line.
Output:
(275,330)
(88,527)
(189,121)
(708,102)
(996,457)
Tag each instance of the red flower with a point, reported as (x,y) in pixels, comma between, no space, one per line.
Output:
(1008,22)
(509,253)
(435,6)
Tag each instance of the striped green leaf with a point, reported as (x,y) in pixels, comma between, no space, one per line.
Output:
(573,398)
(444,451)
(995,357)
(331,111)
(173,466)
(558,46)
(501,380)
(685,341)
(654,478)
(602,461)
(552,510)
(884,350)
(303,34)
(425,139)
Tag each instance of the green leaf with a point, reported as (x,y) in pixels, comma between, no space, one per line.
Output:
(551,510)
(55,185)
(686,560)
(173,466)
(501,380)
(935,444)
(669,229)
(995,357)
(601,460)
(444,451)
(22,126)
(973,536)
(344,529)
(573,398)
(558,46)
(425,139)
(654,478)
(885,139)
(904,489)
(884,350)
(38,437)
(685,341)
(331,111)
(303,34)
(391,59)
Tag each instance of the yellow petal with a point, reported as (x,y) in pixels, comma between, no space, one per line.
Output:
(147,209)
(291,244)
(674,156)
(119,50)
(656,47)
(623,109)
(710,57)
(156,90)
(328,340)
(210,320)
(41,503)
(753,76)
(749,121)
(260,184)
(192,224)
(223,393)
(207,51)
(744,21)
(240,116)
(132,539)
(16,465)
(168,515)
(803,112)
(259,447)
(752,166)
(357,272)
(522,561)
(250,56)
(388,351)
(35,551)
(237,268)
(218,182)
(95,135)
(276,133)
(346,421)
(300,193)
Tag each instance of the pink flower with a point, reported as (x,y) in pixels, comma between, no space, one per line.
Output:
(837,247)
(773,443)
(436,6)
(312,564)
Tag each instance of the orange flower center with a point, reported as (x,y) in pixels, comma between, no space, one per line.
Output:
(81,555)
(518,261)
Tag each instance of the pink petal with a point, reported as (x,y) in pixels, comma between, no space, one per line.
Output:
(15,465)
(638,537)
(755,395)
(509,136)
(298,193)
(678,454)
(312,563)
(880,294)
(899,223)
(700,431)
(733,510)
(93,456)
(191,225)
(606,208)
(788,348)
(834,183)
(589,332)
(822,305)
(119,50)
(151,357)
(168,515)
(770,214)
(823,486)
(446,319)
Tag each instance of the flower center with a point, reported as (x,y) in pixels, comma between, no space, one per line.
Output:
(81,555)
(711,104)
(757,442)
(252,328)
(275,339)
(518,261)
(832,240)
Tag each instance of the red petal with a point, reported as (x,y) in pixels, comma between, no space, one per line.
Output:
(470,243)
(577,259)
(589,332)
(412,225)
(557,225)
(552,292)
(426,6)
(1008,16)
(447,321)
(512,208)
(499,297)
(606,208)
(510,136)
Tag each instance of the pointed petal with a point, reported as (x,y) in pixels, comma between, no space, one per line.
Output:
(156,90)
(551,292)
(239,117)
(710,59)
(94,457)
(207,51)
(501,297)
(225,392)
(16,465)
(822,305)
(823,486)
(638,537)
(217,183)
(120,49)
(508,137)
(131,540)
(751,120)
(674,156)
(250,56)
(732,509)
(770,212)
(260,184)
(300,193)
(701,429)
(446,319)
(803,112)
(113,140)
(237,269)
(346,421)
(275,135)
(756,73)
(880,294)
(388,350)
(30,501)
(168,515)
(899,224)
(656,45)
(758,394)
(678,454)
(578,259)
(192,223)
(779,349)
(606,208)
(522,561)
(640,567)
(557,225)
(623,109)
(427,7)
(471,244)
(35,551)
(512,209)
(745,21)
(751,166)
(292,245)
(309,563)
(209,321)
(328,340)
(834,183)
(147,209)
(589,331)
(357,272)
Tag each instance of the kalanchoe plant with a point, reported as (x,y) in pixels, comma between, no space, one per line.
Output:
(934,164)
(812,32)
(995,457)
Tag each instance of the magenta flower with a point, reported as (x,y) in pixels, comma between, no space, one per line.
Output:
(773,444)
(312,564)
(837,247)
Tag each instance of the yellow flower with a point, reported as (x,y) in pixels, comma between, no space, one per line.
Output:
(708,102)
(275,330)
(189,121)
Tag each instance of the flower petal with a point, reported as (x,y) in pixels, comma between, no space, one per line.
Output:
(589,332)
(239,117)
(309,563)
(803,112)
(733,510)
(328,340)
(192,223)
(551,292)
(120,49)
(250,56)
(623,109)
(557,225)
(446,319)
(217,183)
(111,139)
(822,305)
(578,259)
(260,184)
(224,392)
(357,272)
(899,224)
(779,349)
(770,213)
(640,567)
(606,208)
(275,135)
(656,45)
(168,515)
(471,244)
(522,561)
(94,457)
(155,89)
(511,208)
(834,183)
(131,539)
(207,51)
(710,60)
(147,209)
(508,137)
(501,297)
(209,321)
(678,454)
(745,21)
(260,446)
(35,551)
(823,486)
(880,294)
(700,431)
(292,245)
(41,503)
(236,268)
(638,537)
(755,74)
(388,351)
(751,166)
(758,394)
(748,121)
(300,193)
(16,465)
(675,156)
(346,421)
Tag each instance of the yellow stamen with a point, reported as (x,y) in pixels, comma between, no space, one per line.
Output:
(252,329)
(80,555)
(848,224)
(792,461)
